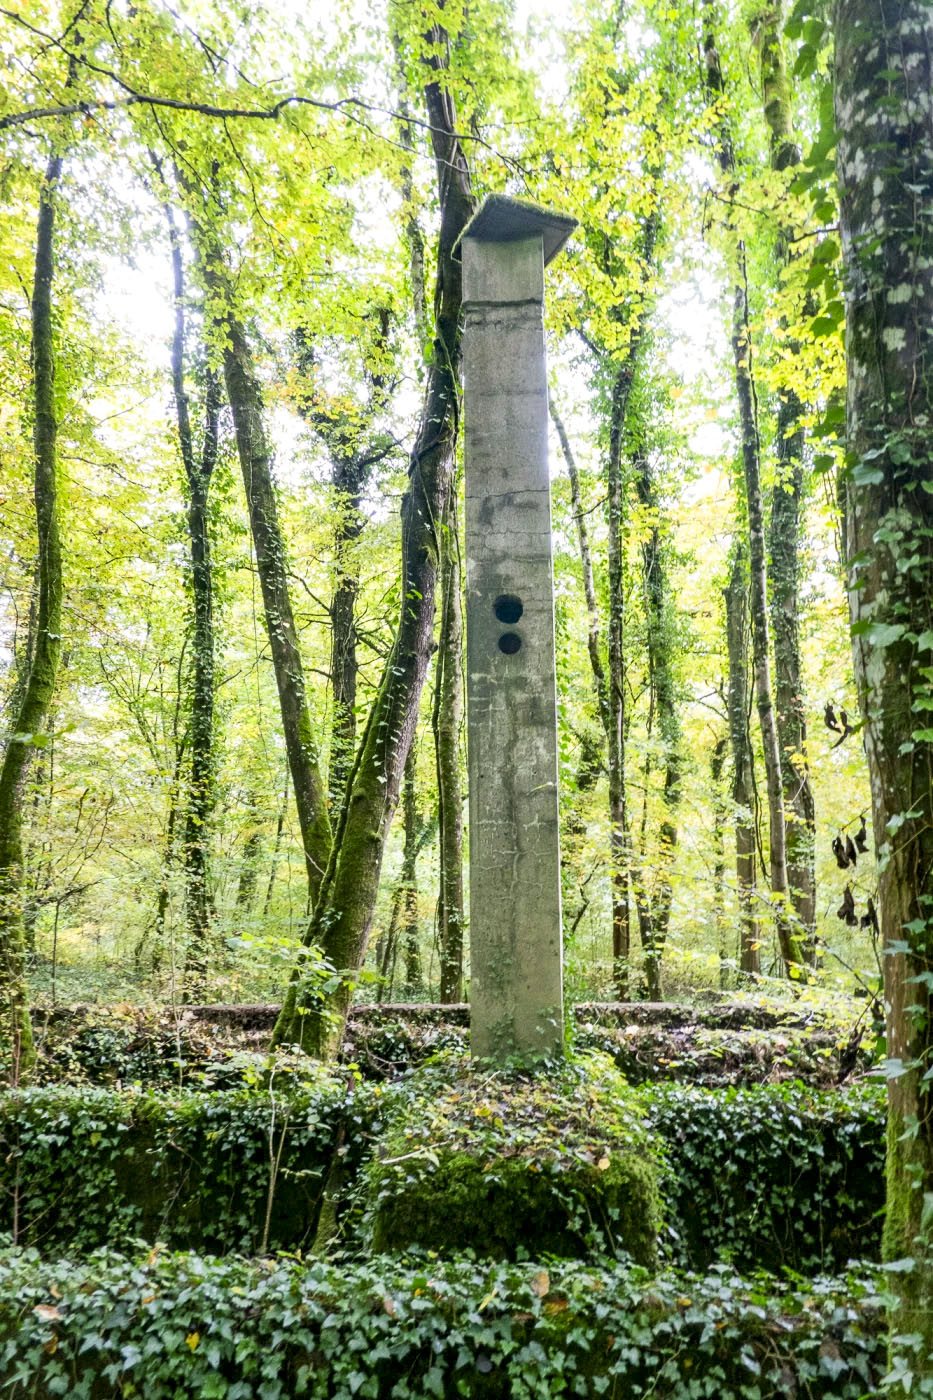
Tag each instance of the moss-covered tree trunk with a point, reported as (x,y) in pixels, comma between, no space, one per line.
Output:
(784,528)
(743,773)
(791,951)
(409,879)
(343,913)
(15,1024)
(884,162)
(255,454)
(348,484)
(199,468)
(447,717)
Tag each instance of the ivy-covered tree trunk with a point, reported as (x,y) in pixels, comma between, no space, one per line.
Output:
(743,774)
(884,162)
(446,721)
(343,913)
(784,528)
(16,1040)
(255,454)
(791,952)
(199,468)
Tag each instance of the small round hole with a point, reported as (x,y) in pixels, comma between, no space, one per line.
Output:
(510,642)
(508,609)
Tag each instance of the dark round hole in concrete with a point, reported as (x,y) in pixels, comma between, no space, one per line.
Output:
(508,609)
(510,642)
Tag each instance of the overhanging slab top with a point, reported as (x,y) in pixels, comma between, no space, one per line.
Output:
(501,219)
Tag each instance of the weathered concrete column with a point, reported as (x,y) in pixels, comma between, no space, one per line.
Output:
(515,916)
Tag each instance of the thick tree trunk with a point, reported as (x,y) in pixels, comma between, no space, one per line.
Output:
(16,1039)
(791,951)
(446,720)
(343,913)
(784,540)
(743,777)
(884,162)
(199,468)
(255,455)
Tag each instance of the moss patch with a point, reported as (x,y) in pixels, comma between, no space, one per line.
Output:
(508,1164)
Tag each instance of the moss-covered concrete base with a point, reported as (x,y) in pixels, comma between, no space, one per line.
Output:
(512,1165)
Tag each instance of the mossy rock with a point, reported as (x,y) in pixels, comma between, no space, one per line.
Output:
(511,1165)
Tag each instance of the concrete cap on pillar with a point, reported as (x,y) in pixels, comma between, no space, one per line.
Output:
(501,219)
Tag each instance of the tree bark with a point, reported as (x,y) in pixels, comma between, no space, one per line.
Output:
(784,538)
(743,777)
(343,913)
(884,163)
(255,456)
(14,1012)
(446,721)
(791,951)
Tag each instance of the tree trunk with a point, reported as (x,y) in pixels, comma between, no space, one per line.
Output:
(662,651)
(784,540)
(743,777)
(343,913)
(408,883)
(198,471)
(14,1012)
(446,721)
(791,951)
(249,860)
(884,162)
(343,662)
(716,765)
(255,455)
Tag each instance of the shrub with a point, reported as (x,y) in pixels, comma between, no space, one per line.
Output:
(178,1327)
(86,1167)
(775,1176)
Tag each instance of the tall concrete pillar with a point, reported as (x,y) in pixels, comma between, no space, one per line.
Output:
(515,917)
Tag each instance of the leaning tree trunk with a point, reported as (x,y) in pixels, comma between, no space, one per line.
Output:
(743,776)
(446,720)
(343,913)
(791,951)
(884,163)
(199,468)
(255,455)
(14,1011)
(784,539)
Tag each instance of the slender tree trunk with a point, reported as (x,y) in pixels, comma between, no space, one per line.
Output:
(618,815)
(348,483)
(249,861)
(791,951)
(446,720)
(14,1005)
(662,652)
(409,877)
(276,848)
(716,766)
(784,539)
(255,455)
(199,469)
(743,779)
(343,913)
(884,163)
